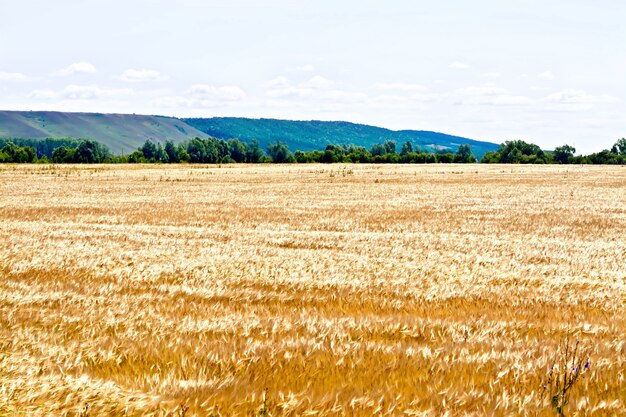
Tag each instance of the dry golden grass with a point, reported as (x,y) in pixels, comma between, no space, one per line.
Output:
(344,290)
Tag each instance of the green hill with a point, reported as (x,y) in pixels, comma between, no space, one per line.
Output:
(122,133)
(311,135)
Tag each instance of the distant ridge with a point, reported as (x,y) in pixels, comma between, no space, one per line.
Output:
(314,134)
(120,132)
(123,133)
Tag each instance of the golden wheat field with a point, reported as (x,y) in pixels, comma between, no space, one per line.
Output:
(319,290)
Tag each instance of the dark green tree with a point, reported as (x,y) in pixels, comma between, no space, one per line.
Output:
(63,154)
(14,153)
(223,151)
(237,150)
(390,146)
(520,152)
(445,157)
(564,154)
(254,153)
(172,152)
(183,156)
(136,157)
(491,157)
(279,152)
(196,150)
(378,149)
(619,147)
(464,155)
(149,150)
(89,151)
(407,147)
(161,155)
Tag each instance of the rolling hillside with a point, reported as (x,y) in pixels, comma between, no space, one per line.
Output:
(122,133)
(311,135)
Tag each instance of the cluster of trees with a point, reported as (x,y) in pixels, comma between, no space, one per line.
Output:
(43,147)
(11,152)
(55,150)
(87,152)
(197,150)
(384,153)
(520,152)
(517,152)
(212,151)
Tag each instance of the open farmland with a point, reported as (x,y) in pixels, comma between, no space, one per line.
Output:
(348,290)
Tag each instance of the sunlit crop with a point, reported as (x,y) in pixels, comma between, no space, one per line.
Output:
(348,290)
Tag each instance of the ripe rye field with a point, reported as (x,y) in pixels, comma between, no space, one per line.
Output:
(348,290)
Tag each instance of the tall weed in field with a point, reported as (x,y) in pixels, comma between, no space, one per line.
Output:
(568,365)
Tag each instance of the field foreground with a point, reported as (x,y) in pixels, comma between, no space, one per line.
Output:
(348,290)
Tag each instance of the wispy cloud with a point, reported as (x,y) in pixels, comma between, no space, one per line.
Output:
(42,94)
(79,92)
(575,100)
(218,93)
(547,75)
(488,94)
(142,75)
(400,87)
(75,68)
(200,96)
(318,82)
(13,76)
(306,68)
(282,87)
(458,65)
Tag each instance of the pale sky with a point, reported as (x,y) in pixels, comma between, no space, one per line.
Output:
(550,71)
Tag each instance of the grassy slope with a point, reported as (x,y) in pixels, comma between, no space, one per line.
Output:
(125,132)
(120,132)
(310,135)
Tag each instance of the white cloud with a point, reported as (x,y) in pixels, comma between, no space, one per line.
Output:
(492,74)
(76,68)
(223,93)
(575,100)
(173,102)
(42,94)
(322,93)
(12,76)
(278,82)
(397,102)
(142,75)
(281,87)
(342,96)
(79,92)
(458,65)
(578,96)
(318,82)
(400,87)
(306,68)
(289,92)
(488,94)
(201,96)
(547,75)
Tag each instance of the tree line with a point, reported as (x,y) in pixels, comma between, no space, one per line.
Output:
(520,152)
(219,151)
